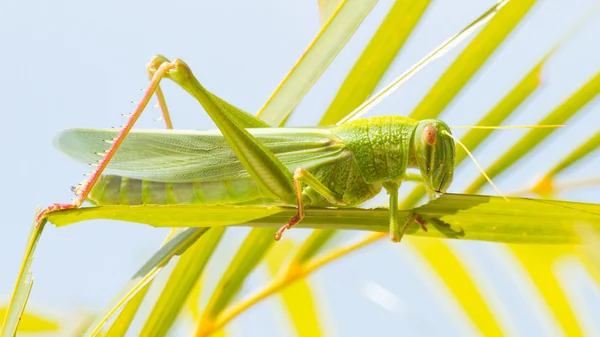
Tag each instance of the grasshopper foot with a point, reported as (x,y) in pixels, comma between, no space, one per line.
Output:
(396,236)
(287,226)
(421,223)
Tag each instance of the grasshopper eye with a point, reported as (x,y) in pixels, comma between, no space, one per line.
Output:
(429,135)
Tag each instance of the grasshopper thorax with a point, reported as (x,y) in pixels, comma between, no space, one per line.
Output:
(380,146)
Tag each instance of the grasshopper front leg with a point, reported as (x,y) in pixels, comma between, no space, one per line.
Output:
(397,231)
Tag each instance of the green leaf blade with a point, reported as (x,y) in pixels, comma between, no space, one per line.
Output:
(317,57)
(121,324)
(184,276)
(176,246)
(327,8)
(298,298)
(24,283)
(248,256)
(375,59)
(580,152)
(313,245)
(154,215)
(472,59)
(454,216)
(33,322)
(533,138)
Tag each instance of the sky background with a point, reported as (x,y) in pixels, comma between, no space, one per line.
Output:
(79,64)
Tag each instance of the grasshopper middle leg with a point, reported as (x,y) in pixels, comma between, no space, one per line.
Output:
(302,176)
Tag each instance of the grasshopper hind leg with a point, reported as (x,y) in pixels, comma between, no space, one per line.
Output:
(162,103)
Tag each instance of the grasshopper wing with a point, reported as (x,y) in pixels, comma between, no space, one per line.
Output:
(186,155)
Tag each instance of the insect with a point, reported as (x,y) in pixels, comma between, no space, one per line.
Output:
(245,162)
(339,166)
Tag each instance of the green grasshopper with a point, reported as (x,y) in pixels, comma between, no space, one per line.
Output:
(246,162)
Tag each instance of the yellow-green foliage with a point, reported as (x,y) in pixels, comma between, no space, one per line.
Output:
(535,235)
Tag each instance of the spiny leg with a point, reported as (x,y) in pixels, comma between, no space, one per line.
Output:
(302,176)
(263,166)
(85,188)
(268,172)
(166,117)
(162,103)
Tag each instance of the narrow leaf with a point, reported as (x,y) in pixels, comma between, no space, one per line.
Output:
(249,254)
(176,246)
(534,137)
(539,266)
(312,246)
(589,252)
(450,270)
(297,297)
(580,152)
(184,276)
(317,57)
(327,8)
(31,322)
(20,295)
(121,324)
(193,303)
(545,186)
(123,321)
(438,52)
(376,58)
(472,59)
(154,214)
(456,216)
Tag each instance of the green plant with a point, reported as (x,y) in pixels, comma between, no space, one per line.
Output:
(467,217)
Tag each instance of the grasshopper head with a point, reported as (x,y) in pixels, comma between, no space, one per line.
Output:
(434,151)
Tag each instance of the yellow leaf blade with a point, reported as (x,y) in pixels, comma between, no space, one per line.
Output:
(326,8)
(539,265)
(297,297)
(472,59)
(375,59)
(182,280)
(451,271)
(31,322)
(567,109)
(317,57)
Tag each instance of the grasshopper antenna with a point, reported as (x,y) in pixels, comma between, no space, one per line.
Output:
(497,127)
(476,164)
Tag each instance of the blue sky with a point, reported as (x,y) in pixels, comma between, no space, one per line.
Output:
(79,64)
